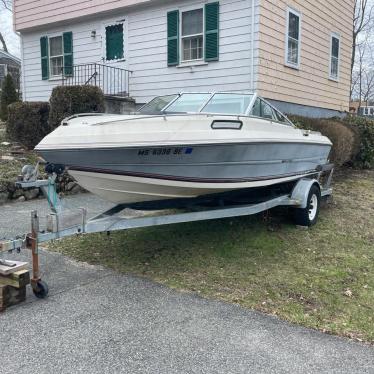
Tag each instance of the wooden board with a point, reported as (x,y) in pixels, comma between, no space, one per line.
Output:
(6,270)
(17,279)
(10,296)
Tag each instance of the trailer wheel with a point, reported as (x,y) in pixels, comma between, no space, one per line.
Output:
(308,216)
(40,289)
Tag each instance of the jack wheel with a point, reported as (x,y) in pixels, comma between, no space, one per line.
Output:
(40,289)
(308,216)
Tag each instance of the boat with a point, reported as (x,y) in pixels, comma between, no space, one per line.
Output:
(185,146)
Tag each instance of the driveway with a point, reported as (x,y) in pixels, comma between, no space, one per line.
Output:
(98,321)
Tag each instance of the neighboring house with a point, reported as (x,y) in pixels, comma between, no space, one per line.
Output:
(366,111)
(362,108)
(10,64)
(295,53)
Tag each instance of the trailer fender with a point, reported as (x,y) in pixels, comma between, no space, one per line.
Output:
(301,191)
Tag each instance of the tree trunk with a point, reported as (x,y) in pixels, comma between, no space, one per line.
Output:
(3,43)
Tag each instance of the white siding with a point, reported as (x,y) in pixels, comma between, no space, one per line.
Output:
(146,53)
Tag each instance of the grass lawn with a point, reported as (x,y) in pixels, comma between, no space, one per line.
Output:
(321,278)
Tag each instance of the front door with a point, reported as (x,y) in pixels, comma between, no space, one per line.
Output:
(115,75)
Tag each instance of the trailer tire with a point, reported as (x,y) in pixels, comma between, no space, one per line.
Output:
(308,216)
(41,289)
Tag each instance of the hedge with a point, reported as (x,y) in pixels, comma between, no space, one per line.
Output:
(352,138)
(345,139)
(8,96)
(365,127)
(66,101)
(28,122)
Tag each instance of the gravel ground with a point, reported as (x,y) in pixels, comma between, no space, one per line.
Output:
(98,321)
(15,216)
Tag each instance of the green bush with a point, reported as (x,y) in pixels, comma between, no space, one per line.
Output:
(66,101)
(9,95)
(28,122)
(365,127)
(345,138)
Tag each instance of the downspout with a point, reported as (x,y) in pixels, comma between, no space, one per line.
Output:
(252,46)
(23,83)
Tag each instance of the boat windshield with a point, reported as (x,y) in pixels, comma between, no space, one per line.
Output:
(156,105)
(188,103)
(222,103)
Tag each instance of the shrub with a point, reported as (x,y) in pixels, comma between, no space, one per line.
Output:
(66,101)
(28,122)
(365,127)
(9,95)
(345,138)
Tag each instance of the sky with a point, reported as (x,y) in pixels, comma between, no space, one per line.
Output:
(6,28)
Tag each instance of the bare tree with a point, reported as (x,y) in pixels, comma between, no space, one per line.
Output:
(363,21)
(362,88)
(368,85)
(7,5)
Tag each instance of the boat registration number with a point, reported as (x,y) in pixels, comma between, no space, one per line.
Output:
(165,151)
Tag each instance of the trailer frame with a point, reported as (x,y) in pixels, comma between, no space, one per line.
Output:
(61,225)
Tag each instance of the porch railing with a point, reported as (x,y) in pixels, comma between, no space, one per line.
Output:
(112,80)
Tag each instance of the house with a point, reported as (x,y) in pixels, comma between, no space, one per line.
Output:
(10,64)
(295,53)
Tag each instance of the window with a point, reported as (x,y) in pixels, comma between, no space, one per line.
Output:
(192,35)
(334,58)
(293,39)
(114,42)
(56,56)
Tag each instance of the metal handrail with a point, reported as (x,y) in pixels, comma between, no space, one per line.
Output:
(113,81)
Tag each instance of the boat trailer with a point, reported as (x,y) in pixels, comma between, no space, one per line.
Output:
(62,223)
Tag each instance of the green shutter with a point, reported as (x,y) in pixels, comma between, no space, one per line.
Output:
(211,31)
(44,57)
(173,38)
(114,42)
(68,53)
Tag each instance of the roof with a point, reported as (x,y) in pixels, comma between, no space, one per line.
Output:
(8,55)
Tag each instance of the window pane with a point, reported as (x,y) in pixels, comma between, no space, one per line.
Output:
(293,51)
(266,111)
(279,117)
(188,103)
(56,65)
(157,104)
(193,48)
(293,26)
(55,46)
(192,22)
(335,47)
(228,103)
(114,42)
(256,109)
(334,67)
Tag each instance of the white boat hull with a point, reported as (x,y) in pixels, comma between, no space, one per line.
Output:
(122,189)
